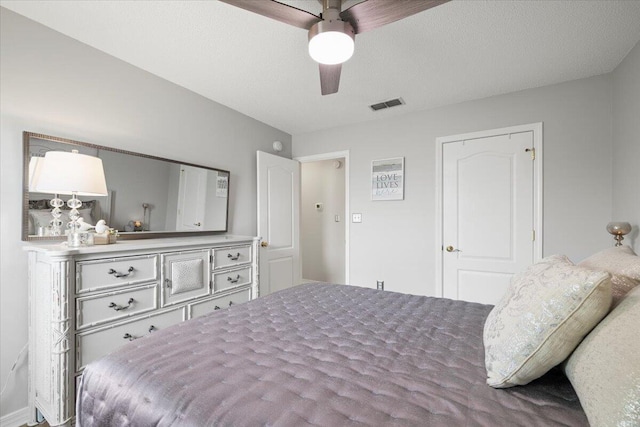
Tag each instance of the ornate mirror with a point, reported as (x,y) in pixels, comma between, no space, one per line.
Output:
(147,196)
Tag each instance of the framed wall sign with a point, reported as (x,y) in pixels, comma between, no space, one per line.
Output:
(387,179)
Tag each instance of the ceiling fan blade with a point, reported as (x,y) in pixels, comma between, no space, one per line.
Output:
(329,78)
(278,11)
(372,14)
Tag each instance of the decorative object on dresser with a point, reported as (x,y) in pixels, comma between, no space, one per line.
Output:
(619,230)
(73,174)
(86,302)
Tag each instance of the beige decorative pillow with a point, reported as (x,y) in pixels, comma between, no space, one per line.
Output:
(605,368)
(624,266)
(544,314)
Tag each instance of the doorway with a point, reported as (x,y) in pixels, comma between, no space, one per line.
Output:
(324,210)
(489,218)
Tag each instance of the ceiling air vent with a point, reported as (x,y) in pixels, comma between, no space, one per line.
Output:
(387,104)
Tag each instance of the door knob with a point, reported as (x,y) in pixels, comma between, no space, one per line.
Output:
(264,244)
(451,249)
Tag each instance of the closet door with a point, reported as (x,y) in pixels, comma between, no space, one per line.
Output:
(488,214)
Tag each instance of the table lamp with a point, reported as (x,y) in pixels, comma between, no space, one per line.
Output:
(72,174)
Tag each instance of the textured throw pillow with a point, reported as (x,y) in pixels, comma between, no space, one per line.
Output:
(40,218)
(605,368)
(544,314)
(623,265)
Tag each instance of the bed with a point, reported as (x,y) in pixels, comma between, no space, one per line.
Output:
(330,355)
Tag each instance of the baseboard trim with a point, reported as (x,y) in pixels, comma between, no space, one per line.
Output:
(15,419)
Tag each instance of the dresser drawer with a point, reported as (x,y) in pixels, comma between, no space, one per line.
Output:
(203,307)
(102,308)
(231,278)
(92,345)
(106,273)
(230,257)
(185,276)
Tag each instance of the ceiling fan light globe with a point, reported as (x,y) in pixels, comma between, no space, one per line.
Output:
(331,42)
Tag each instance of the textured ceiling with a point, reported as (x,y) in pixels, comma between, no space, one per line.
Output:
(456,52)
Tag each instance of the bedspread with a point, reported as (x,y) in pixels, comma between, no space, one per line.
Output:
(319,354)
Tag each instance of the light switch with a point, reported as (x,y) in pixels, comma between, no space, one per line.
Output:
(356,217)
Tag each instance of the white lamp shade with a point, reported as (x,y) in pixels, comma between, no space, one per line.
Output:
(68,173)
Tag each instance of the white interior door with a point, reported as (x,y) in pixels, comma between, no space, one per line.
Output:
(192,193)
(278,222)
(487,214)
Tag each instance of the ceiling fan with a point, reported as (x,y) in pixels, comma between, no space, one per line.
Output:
(332,32)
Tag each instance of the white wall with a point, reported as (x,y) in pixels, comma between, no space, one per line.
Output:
(322,238)
(395,241)
(626,145)
(54,85)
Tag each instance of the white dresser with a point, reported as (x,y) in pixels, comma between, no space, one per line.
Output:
(84,303)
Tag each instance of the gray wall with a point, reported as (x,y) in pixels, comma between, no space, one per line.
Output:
(395,241)
(55,85)
(626,144)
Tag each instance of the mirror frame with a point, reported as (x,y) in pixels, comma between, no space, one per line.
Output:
(135,235)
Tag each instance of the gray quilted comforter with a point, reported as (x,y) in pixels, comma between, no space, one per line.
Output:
(319,354)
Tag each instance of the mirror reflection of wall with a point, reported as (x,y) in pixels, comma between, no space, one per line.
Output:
(134,181)
(142,189)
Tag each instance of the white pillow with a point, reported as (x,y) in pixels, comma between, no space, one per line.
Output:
(624,266)
(605,368)
(42,218)
(546,311)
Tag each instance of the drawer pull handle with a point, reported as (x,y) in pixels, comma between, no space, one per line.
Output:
(230,303)
(167,282)
(232,280)
(117,307)
(216,308)
(119,275)
(130,337)
(232,257)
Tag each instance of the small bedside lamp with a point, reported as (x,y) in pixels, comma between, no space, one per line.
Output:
(72,173)
(619,230)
